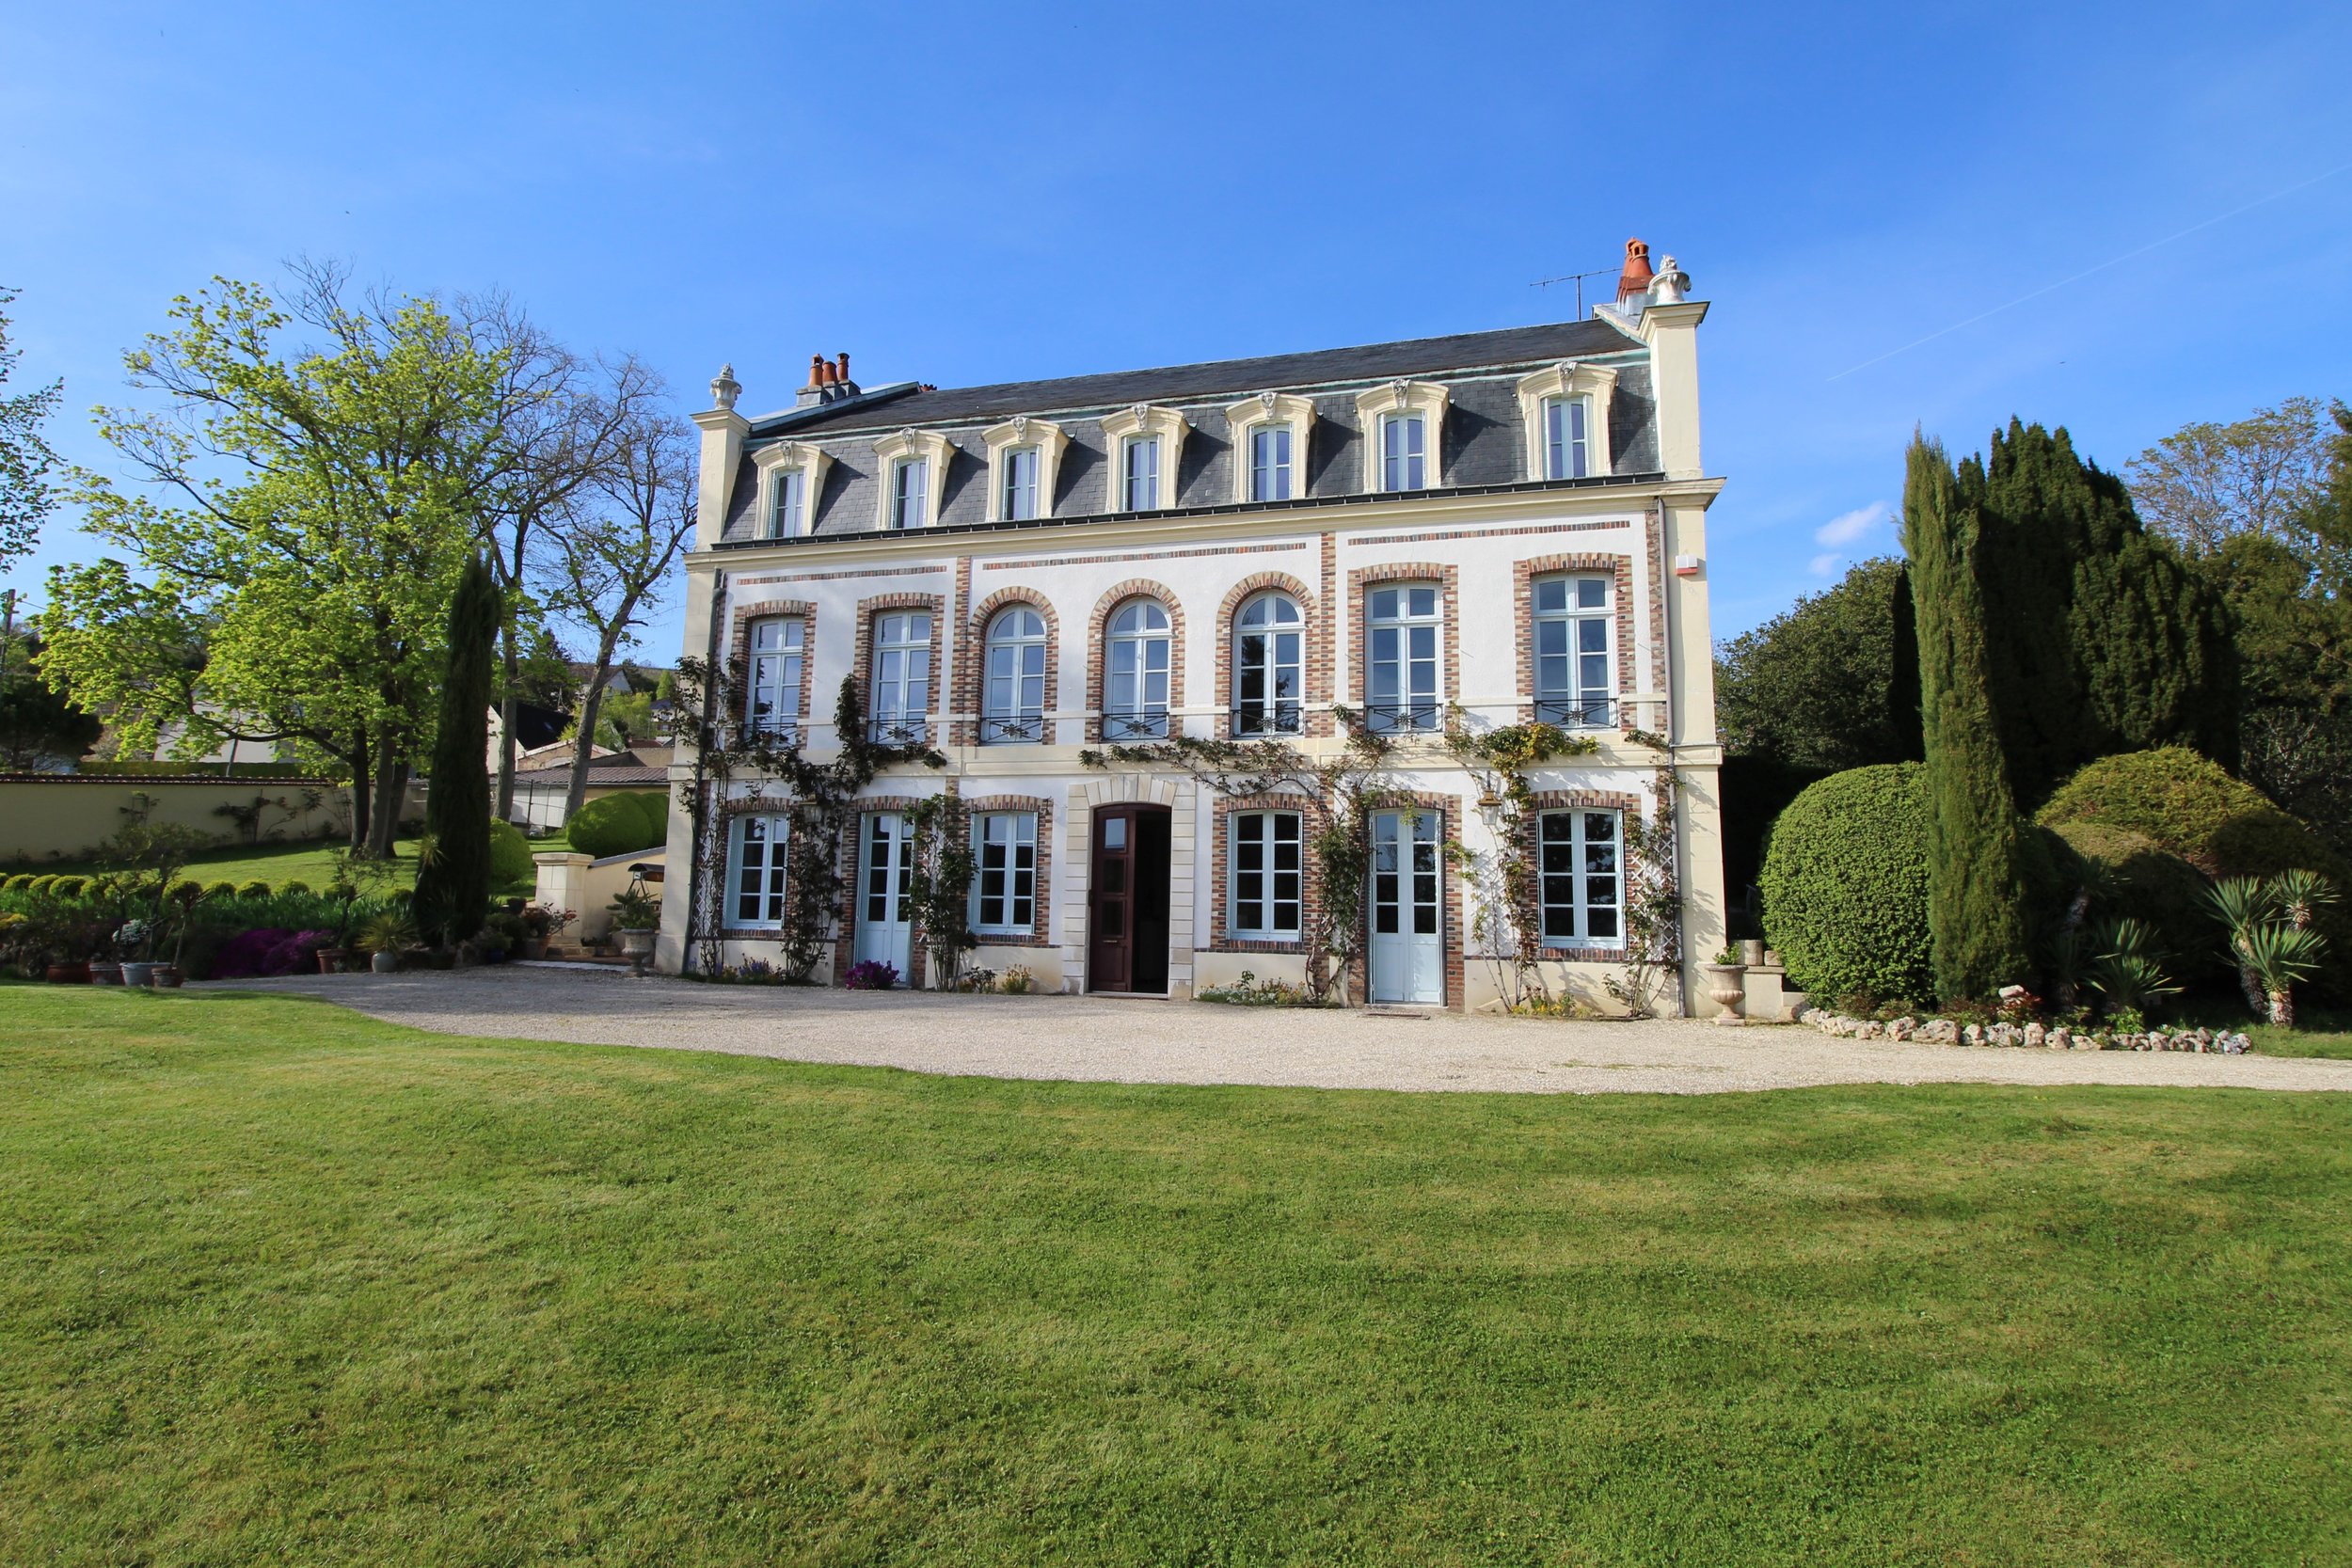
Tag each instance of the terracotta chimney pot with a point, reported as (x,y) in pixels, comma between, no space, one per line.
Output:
(842,370)
(1633,282)
(816,370)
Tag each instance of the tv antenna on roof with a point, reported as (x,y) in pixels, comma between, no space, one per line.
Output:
(1575,278)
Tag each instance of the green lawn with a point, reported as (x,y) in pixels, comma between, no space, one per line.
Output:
(311,861)
(279,1284)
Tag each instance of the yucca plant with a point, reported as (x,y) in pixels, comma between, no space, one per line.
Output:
(2271,937)
(2127,968)
(388,931)
(2281,957)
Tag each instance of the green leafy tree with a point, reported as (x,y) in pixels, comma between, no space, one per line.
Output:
(301,515)
(1977,871)
(453,886)
(1827,683)
(25,459)
(2207,484)
(38,729)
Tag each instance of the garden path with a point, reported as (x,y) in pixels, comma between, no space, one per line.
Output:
(1150,1041)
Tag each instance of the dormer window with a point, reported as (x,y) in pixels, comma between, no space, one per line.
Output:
(792,479)
(1025,463)
(1147,446)
(1270,446)
(1404,425)
(913,469)
(1566,416)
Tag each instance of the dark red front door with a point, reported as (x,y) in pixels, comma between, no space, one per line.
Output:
(1110,925)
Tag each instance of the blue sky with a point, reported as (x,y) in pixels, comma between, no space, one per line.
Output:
(962,193)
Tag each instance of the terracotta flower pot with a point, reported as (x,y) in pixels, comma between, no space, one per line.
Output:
(534,947)
(75,973)
(168,977)
(334,961)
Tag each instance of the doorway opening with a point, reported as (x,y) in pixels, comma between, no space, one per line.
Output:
(1127,900)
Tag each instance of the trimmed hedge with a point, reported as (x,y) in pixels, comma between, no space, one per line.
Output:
(17,883)
(293,885)
(1844,884)
(225,890)
(254,889)
(621,824)
(68,886)
(510,855)
(2187,807)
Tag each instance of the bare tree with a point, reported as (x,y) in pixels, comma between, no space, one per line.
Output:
(611,546)
(2206,481)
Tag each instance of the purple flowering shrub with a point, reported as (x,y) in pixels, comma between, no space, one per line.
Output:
(267,951)
(871,974)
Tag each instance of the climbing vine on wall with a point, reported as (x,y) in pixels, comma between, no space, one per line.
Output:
(1507,927)
(939,883)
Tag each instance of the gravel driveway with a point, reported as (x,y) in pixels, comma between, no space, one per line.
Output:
(1176,1042)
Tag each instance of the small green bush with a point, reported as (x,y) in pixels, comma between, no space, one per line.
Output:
(621,824)
(510,856)
(42,884)
(187,889)
(254,889)
(1844,884)
(68,886)
(292,885)
(17,883)
(227,890)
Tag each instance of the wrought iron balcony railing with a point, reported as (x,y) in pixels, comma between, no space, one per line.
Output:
(1576,713)
(1279,716)
(768,730)
(1394,718)
(1139,723)
(899,729)
(1012,729)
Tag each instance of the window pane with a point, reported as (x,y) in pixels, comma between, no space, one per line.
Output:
(1592,592)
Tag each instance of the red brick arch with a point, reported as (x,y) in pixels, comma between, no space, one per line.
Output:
(1135,588)
(1314,651)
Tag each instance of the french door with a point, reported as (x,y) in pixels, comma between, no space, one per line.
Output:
(885,875)
(1407,924)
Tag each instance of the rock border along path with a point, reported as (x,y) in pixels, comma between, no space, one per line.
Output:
(1148,1042)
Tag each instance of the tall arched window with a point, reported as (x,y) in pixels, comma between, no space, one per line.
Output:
(1012,706)
(1134,687)
(1268,673)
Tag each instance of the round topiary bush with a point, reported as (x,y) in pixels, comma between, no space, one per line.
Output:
(2139,878)
(621,824)
(510,856)
(69,887)
(254,889)
(42,884)
(17,883)
(221,890)
(293,885)
(2187,806)
(1844,884)
(187,889)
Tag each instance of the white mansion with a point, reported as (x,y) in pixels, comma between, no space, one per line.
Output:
(1507,523)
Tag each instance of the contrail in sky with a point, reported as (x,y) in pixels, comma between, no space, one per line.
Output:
(2118,261)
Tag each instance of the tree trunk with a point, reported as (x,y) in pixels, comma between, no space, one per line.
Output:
(2282,1008)
(511,665)
(591,706)
(391,783)
(363,788)
(2251,983)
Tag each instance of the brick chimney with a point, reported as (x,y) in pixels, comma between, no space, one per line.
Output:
(828,382)
(1633,283)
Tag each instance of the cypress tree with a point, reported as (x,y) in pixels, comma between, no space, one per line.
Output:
(2157,664)
(1977,882)
(1902,680)
(453,887)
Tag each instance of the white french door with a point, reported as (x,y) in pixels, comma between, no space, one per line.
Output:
(885,874)
(1407,925)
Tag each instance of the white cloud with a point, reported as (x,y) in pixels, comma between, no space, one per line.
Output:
(1823,565)
(1852,527)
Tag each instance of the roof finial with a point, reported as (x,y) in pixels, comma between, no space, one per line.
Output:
(725,388)
(1671,286)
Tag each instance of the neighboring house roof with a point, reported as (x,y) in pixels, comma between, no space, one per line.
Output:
(536,726)
(629,775)
(930,407)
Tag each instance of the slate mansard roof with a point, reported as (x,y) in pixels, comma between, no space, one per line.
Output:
(1483,441)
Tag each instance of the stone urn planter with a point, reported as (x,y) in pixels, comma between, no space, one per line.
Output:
(166,977)
(106,971)
(385,961)
(1727,990)
(636,945)
(137,972)
(75,973)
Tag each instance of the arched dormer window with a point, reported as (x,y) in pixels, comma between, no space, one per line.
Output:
(1564,413)
(1135,655)
(1024,467)
(1404,436)
(1145,446)
(1269,670)
(1270,434)
(911,470)
(1012,696)
(791,480)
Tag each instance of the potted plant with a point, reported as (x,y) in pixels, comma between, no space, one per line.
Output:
(180,905)
(132,939)
(542,925)
(636,916)
(1728,988)
(386,934)
(503,936)
(355,878)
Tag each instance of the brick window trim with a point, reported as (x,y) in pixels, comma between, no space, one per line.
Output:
(1097,625)
(1221,865)
(1447,579)
(1041,911)
(969,688)
(1314,651)
(746,805)
(1576,800)
(739,647)
(862,664)
(1523,576)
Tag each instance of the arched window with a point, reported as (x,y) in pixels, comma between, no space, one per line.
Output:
(1268,673)
(1134,689)
(1012,706)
